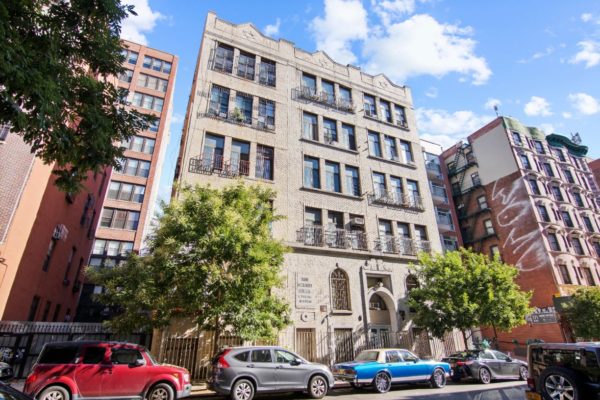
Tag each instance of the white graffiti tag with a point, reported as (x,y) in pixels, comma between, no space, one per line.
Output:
(516,209)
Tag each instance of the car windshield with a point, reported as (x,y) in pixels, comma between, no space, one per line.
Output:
(369,355)
(467,355)
(151,357)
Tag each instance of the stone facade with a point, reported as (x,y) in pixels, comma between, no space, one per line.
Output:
(350,258)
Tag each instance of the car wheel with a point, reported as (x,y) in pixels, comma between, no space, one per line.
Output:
(317,387)
(523,373)
(485,376)
(382,382)
(242,390)
(560,383)
(161,391)
(55,393)
(438,378)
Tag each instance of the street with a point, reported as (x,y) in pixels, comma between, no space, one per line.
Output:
(509,390)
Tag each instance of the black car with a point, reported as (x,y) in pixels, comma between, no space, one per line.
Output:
(485,365)
(9,393)
(564,371)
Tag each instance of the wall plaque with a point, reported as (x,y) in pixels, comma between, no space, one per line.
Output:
(305,291)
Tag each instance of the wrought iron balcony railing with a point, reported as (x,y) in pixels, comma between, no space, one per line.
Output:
(401,245)
(309,94)
(393,199)
(334,238)
(208,165)
(262,122)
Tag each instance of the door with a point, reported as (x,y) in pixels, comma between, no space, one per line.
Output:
(506,364)
(90,372)
(125,378)
(394,364)
(289,374)
(380,335)
(306,344)
(412,369)
(344,345)
(487,358)
(263,367)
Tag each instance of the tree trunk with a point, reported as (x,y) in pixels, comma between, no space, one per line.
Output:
(217,334)
(464,333)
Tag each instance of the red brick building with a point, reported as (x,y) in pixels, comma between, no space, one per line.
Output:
(531,198)
(45,235)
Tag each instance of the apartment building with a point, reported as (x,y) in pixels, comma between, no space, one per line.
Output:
(531,198)
(340,149)
(129,205)
(439,185)
(45,235)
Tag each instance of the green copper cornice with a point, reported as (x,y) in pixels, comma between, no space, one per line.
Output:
(563,141)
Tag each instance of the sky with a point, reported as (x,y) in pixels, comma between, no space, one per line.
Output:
(536,60)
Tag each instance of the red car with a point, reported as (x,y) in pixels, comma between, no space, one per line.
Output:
(85,370)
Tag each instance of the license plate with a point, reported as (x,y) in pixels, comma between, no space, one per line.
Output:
(533,396)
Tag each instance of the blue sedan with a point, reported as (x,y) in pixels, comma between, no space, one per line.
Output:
(383,367)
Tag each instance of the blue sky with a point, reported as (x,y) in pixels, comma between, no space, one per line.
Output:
(539,61)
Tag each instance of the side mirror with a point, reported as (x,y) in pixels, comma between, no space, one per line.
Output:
(137,363)
(296,362)
(415,360)
(508,359)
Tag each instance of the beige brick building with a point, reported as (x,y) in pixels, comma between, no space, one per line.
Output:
(341,150)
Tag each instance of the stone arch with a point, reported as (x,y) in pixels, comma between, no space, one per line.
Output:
(388,316)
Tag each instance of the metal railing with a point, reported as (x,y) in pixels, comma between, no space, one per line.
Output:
(394,199)
(401,245)
(309,94)
(333,238)
(262,122)
(208,165)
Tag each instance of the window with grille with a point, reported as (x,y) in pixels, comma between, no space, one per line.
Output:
(340,294)
(246,64)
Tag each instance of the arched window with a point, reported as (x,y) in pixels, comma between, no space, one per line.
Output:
(340,293)
(411,283)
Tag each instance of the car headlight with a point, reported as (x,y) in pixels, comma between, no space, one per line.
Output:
(186,378)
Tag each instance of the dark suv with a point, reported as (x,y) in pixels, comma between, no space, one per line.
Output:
(564,371)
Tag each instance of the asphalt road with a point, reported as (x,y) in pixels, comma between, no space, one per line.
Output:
(509,390)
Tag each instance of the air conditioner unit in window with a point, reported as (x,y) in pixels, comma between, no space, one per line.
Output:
(60,232)
(357,221)
(271,127)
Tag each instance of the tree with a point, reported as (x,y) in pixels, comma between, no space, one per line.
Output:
(462,289)
(54,56)
(583,313)
(212,259)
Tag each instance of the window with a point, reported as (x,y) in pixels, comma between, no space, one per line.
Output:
(385,228)
(352,181)
(407,151)
(500,356)
(517,138)
(309,126)
(578,199)
(400,115)
(374,144)
(564,272)
(560,155)
(219,101)
(223,60)
(444,217)
(261,356)
(569,175)
(566,217)
(329,131)
(587,273)
(49,253)
(93,355)
(56,313)
(597,248)
(332,177)
(412,189)
(543,211)
(240,157)
(489,228)
(533,185)
(311,173)
(548,169)
(154,126)
(46,311)
(379,187)
(576,243)
(397,190)
(243,356)
(312,217)
(588,223)
(309,84)
(553,242)
(345,96)
(328,91)
(482,201)
(403,230)
(284,357)
(475,180)
(266,113)
(391,152)
(539,147)
(63,354)
(340,293)
(348,136)
(386,111)
(494,251)
(369,106)
(109,253)
(140,144)
(264,162)
(134,167)
(392,356)
(125,356)
(420,233)
(377,303)
(450,243)
(556,192)
(126,76)
(152,82)
(267,72)
(119,219)
(131,57)
(525,162)
(212,154)
(148,102)
(157,65)
(246,66)
(243,107)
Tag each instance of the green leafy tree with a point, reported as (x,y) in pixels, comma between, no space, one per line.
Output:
(583,313)
(462,289)
(54,56)
(212,259)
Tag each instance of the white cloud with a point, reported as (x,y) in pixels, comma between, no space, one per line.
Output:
(344,22)
(584,103)
(391,10)
(547,128)
(586,17)
(446,128)
(589,54)
(567,115)
(421,45)
(538,106)
(536,56)
(491,102)
(135,27)
(432,92)
(273,29)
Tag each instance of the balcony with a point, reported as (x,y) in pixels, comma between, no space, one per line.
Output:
(262,123)
(333,238)
(305,93)
(207,165)
(401,245)
(393,199)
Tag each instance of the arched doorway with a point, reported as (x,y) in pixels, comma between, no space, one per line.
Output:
(381,313)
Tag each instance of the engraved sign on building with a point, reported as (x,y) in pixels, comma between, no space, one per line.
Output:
(546,315)
(305,291)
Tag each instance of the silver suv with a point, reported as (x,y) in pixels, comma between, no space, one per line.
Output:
(242,372)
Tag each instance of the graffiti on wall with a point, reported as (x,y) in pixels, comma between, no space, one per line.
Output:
(516,208)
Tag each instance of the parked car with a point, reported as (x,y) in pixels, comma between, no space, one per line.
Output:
(242,372)
(81,370)
(9,393)
(381,368)
(485,366)
(563,371)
